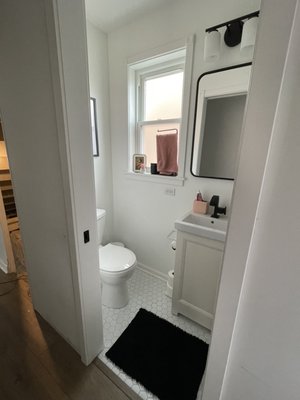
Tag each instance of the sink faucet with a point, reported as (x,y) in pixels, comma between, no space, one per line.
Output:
(214,201)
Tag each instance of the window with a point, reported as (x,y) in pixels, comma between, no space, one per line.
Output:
(160,109)
(156,87)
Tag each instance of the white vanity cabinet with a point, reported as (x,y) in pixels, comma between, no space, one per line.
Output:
(196,279)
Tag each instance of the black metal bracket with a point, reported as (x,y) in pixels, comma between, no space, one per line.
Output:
(213,28)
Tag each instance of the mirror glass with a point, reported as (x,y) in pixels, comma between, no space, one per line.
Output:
(220,105)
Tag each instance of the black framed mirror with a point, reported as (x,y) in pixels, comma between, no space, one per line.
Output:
(219,112)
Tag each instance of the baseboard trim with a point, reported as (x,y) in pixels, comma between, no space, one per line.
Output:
(3,266)
(152,272)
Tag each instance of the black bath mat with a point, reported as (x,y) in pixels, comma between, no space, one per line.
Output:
(163,358)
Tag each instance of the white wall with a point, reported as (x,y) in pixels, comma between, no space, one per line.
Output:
(67,35)
(99,88)
(143,214)
(265,351)
(29,124)
(44,102)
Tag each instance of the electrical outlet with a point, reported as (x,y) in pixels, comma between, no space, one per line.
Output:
(170,191)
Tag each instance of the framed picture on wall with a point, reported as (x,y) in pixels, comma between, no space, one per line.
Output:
(94,127)
(139,162)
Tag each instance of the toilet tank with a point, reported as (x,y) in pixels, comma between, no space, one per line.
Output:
(100,224)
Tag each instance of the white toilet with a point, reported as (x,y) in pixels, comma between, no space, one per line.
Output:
(117,265)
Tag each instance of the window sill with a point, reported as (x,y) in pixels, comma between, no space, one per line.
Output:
(165,180)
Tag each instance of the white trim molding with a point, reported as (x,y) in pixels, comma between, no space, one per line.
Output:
(66,26)
(168,55)
(161,179)
(152,272)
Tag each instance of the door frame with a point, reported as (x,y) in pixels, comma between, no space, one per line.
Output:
(69,69)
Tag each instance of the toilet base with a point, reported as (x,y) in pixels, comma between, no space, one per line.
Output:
(115,296)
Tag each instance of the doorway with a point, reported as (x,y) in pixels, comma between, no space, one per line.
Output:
(12,258)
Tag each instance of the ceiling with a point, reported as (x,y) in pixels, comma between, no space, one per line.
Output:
(109,15)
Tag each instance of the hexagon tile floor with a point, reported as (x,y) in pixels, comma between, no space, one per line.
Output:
(148,292)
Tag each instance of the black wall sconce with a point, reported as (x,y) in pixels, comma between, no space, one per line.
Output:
(239,30)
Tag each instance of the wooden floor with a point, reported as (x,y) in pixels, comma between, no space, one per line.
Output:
(36,363)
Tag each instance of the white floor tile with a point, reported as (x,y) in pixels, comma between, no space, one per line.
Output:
(148,292)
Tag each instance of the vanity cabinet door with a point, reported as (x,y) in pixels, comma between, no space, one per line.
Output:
(197,273)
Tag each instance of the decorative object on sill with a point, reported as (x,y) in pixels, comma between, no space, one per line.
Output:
(239,30)
(94,127)
(153,169)
(139,162)
(142,168)
(166,147)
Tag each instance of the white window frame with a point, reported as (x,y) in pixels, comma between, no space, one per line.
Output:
(142,77)
(143,66)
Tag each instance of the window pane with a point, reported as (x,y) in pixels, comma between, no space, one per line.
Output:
(163,97)
(148,135)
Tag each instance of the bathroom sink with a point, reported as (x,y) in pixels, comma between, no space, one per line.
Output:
(203,225)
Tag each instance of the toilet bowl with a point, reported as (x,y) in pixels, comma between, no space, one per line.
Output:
(117,265)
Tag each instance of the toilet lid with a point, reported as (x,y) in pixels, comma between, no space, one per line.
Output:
(115,258)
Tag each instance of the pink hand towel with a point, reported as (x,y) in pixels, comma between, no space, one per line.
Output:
(166,147)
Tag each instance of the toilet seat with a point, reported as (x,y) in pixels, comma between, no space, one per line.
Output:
(115,259)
